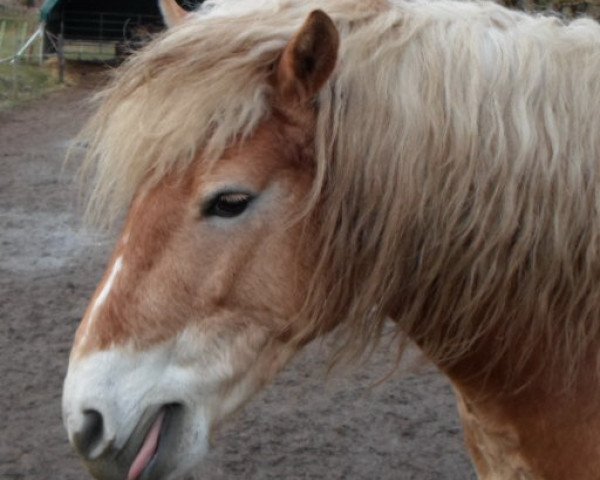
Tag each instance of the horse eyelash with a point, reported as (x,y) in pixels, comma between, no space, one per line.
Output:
(210,204)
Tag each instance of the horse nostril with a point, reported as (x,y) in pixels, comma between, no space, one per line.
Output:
(90,434)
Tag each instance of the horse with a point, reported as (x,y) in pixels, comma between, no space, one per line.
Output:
(290,169)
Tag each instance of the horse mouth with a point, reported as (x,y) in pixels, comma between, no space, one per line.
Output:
(147,461)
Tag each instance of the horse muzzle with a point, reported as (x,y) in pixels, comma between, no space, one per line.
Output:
(136,414)
(129,414)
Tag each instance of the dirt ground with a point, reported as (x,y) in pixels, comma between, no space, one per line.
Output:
(305,426)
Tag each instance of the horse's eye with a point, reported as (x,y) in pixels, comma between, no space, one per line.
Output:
(228,205)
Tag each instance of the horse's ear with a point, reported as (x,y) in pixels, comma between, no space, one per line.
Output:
(172,13)
(309,59)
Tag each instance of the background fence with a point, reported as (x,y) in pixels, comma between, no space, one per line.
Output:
(104,35)
(25,72)
(21,78)
(111,35)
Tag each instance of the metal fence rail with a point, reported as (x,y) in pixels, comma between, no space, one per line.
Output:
(99,35)
(107,26)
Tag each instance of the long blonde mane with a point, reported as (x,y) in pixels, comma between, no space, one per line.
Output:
(457,157)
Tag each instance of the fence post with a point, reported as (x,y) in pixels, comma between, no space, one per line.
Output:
(42,45)
(23,34)
(61,59)
(61,52)
(2,30)
(14,80)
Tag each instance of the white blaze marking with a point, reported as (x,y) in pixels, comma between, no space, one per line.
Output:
(103,295)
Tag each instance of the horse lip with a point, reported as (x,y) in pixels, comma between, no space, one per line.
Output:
(136,440)
(116,462)
(139,432)
(159,465)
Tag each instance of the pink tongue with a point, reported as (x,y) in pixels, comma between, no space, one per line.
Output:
(148,449)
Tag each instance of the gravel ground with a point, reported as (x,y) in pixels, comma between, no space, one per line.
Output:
(305,426)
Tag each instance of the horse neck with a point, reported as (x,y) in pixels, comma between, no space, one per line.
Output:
(540,431)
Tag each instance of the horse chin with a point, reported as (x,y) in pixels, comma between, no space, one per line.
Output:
(187,445)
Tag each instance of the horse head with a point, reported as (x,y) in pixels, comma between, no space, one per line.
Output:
(194,313)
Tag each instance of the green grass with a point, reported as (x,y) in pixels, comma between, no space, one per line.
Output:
(21,83)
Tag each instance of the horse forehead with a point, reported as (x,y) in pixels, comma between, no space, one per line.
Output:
(160,204)
(276,147)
